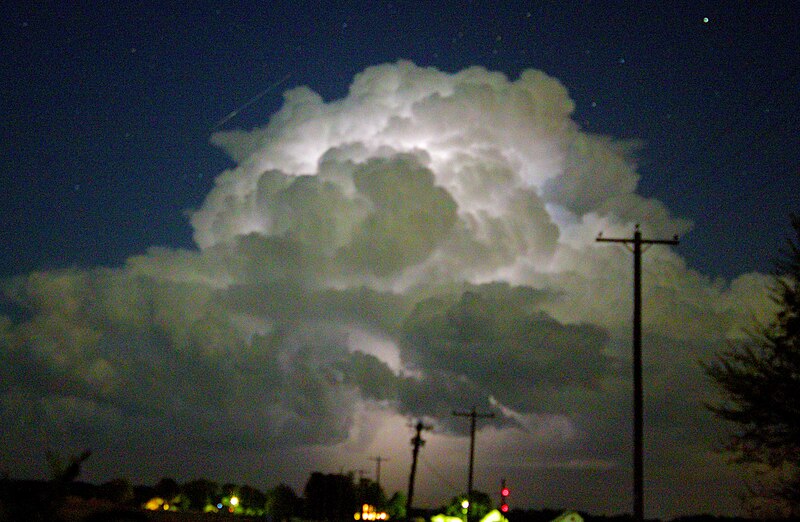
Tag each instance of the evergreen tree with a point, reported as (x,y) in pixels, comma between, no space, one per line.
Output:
(760,384)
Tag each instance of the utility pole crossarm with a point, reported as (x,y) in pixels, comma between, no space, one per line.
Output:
(612,239)
(673,241)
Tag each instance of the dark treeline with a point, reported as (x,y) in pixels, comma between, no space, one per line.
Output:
(547,515)
(51,500)
(326,497)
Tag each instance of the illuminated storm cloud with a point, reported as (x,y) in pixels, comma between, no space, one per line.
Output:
(425,243)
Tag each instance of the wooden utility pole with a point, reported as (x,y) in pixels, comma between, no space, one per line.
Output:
(416,442)
(378,461)
(638,446)
(473,415)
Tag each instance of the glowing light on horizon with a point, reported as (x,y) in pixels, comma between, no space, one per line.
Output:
(368,512)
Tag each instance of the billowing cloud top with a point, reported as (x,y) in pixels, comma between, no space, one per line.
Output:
(425,244)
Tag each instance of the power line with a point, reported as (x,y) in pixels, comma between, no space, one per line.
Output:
(439,475)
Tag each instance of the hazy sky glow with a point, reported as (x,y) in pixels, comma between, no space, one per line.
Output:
(422,242)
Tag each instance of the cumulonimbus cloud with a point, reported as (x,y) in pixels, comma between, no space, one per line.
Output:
(425,243)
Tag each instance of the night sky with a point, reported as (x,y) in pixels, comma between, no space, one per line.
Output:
(249,240)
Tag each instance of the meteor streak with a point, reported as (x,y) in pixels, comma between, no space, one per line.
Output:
(249,102)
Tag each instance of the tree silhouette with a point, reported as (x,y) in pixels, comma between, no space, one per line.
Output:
(201,492)
(396,505)
(118,491)
(759,381)
(167,488)
(330,497)
(481,504)
(65,473)
(282,503)
(370,492)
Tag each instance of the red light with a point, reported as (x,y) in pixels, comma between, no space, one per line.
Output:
(504,492)
(504,508)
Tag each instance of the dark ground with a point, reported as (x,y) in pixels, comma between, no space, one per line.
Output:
(39,501)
